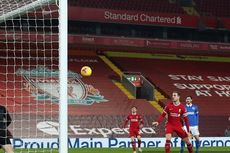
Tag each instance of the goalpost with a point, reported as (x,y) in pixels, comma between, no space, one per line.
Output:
(33,73)
(63,112)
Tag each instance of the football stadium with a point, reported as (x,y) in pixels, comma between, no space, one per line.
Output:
(115,76)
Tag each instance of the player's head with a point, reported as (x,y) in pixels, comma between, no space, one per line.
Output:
(175,96)
(134,110)
(188,99)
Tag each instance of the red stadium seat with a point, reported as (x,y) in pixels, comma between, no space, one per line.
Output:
(132,5)
(210,106)
(218,8)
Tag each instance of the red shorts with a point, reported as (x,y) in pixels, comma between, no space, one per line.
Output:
(134,132)
(169,129)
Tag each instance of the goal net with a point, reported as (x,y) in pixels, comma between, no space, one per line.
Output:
(29,73)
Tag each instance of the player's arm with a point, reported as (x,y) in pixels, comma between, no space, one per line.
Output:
(126,122)
(186,121)
(197,115)
(9,120)
(7,117)
(161,117)
(185,117)
(141,121)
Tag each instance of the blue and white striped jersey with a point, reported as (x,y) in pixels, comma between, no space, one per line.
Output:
(193,114)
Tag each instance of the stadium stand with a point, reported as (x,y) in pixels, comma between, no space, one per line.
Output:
(102,79)
(211,12)
(212,25)
(100,114)
(133,5)
(12,85)
(108,114)
(112,112)
(212,108)
(218,8)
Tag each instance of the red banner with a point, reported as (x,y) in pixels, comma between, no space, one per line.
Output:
(176,44)
(226,22)
(223,47)
(210,22)
(132,17)
(151,43)
(109,41)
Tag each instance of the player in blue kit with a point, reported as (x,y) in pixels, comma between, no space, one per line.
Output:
(193,116)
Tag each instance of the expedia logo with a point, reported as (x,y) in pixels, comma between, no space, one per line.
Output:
(43,84)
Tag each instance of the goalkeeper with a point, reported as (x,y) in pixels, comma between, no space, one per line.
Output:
(5,121)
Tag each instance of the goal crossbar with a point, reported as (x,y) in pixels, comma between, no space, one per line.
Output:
(20,9)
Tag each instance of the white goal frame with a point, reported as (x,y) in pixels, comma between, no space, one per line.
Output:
(63,76)
(63,61)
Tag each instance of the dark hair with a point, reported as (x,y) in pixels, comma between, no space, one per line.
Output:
(176,93)
(134,107)
(189,97)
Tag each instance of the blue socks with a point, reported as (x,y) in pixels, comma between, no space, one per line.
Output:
(182,146)
(197,145)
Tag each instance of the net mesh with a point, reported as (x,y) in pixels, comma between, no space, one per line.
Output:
(29,71)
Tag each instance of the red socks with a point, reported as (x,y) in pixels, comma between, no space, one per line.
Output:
(133,145)
(139,143)
(167,146)
(189,147)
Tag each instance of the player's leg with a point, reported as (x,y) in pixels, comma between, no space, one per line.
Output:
(168,135)
(139,142)
(5,142)
(197,142)
(195,132)
(184,136)
(189,145)
(8,148)
(132,136)
(182,145)
(168,142)
(133,142)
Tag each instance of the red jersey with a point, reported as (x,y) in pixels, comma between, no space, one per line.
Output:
(135,121)
(175,114)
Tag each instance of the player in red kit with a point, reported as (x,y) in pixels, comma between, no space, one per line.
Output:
(176,113)
(136,122)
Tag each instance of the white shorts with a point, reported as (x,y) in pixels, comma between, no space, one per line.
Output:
(193,129)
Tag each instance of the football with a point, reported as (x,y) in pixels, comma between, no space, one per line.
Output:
(86,71)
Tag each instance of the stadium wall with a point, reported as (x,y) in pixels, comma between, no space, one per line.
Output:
(147,45)
(138,17)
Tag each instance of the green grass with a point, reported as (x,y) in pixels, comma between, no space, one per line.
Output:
(123,150)
(147,150)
